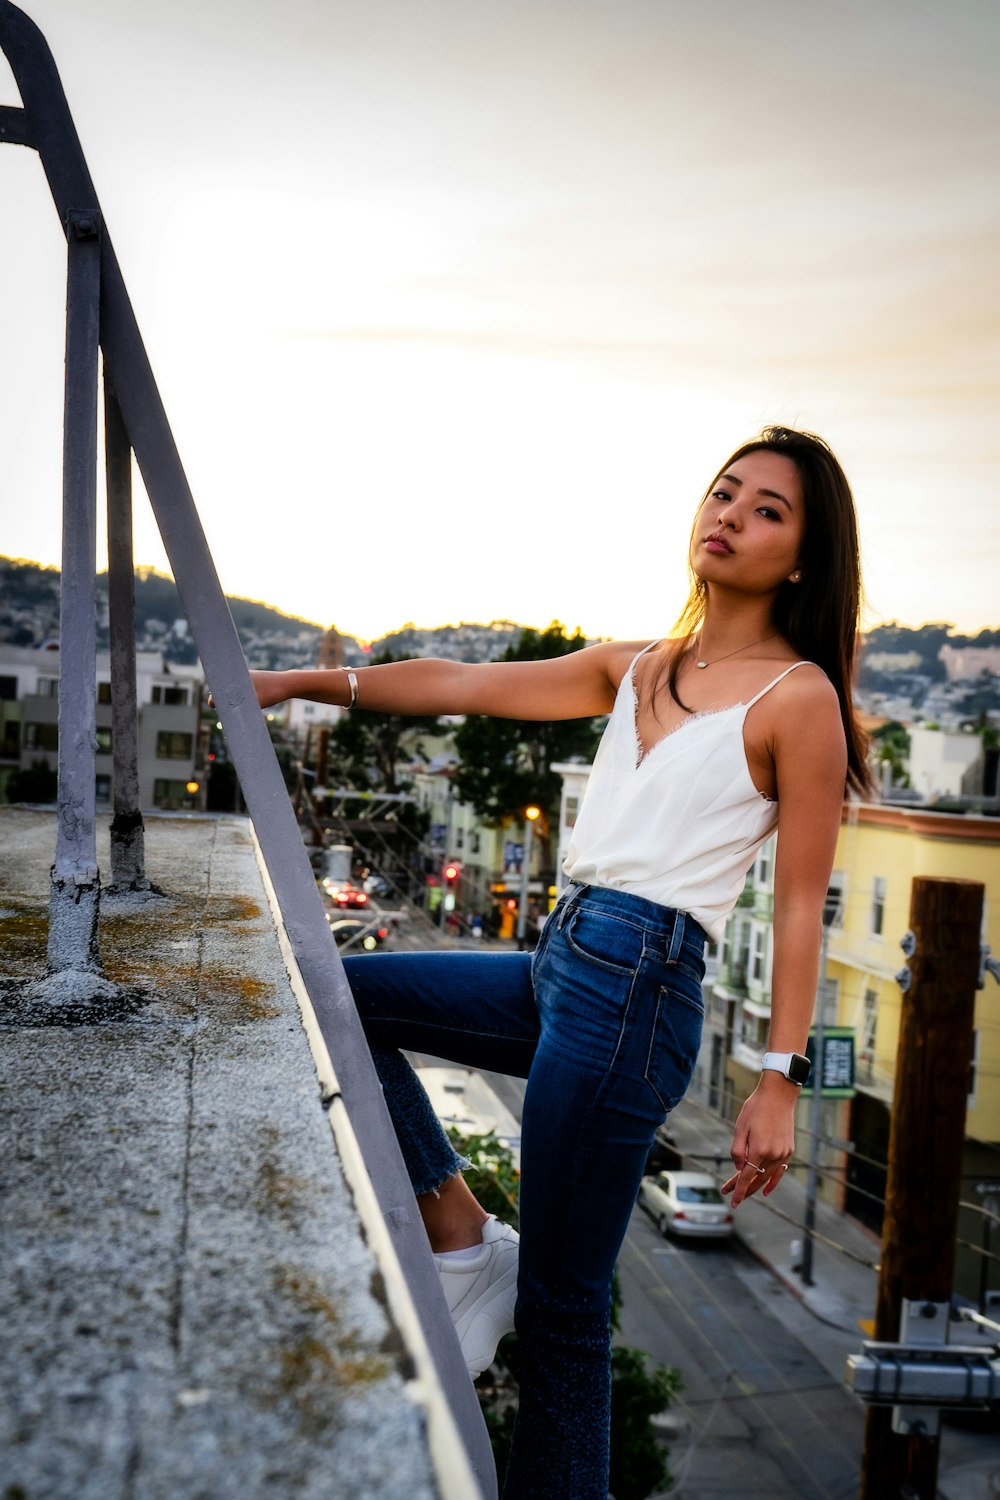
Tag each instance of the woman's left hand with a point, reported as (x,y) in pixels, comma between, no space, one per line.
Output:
(763,1139)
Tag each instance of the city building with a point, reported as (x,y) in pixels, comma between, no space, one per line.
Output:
(488,857)
(879,853)
(171,745)
(575,775)
(965,662)
(949,764)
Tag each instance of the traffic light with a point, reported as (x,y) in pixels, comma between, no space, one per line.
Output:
(450,874)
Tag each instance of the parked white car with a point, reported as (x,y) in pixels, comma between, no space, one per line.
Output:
(687,1203)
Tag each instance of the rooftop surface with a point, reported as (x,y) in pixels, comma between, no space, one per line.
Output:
(188,1304)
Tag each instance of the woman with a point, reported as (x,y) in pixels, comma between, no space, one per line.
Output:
(740,723)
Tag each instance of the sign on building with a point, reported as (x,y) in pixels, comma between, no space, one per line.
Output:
(838,1062)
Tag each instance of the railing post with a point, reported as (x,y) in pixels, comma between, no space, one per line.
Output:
(75,890)
(127,832)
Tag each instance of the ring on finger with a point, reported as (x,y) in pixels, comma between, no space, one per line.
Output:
(752,1165)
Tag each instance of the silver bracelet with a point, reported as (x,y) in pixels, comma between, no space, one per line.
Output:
(352,682)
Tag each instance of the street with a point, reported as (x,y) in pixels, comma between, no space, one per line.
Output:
(761,1413)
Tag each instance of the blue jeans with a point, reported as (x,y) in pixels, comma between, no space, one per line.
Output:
(604,1020)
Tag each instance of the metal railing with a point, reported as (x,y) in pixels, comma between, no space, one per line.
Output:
(100,317)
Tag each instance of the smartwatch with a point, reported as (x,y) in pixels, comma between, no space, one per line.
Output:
(792,1065)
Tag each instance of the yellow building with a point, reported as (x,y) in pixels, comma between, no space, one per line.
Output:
(880,851)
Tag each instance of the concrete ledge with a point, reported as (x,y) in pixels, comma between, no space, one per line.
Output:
(189,1306)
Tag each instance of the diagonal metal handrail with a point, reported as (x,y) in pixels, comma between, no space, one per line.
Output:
(45,122)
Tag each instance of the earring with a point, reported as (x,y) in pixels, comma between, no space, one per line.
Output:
(796,576)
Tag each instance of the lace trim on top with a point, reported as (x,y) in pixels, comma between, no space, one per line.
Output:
(642,754)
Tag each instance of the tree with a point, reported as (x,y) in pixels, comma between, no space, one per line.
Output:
(891,746)
(638,1393)
(504,764)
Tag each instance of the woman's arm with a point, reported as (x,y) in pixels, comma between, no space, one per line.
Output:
(576,686)
(810,757)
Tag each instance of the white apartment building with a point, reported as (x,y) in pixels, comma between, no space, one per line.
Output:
(169,705)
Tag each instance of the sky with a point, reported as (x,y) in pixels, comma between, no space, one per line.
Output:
(456,306)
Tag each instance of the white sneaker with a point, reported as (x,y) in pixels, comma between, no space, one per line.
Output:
(481,1293)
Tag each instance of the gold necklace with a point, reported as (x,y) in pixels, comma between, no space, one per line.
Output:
(704,664)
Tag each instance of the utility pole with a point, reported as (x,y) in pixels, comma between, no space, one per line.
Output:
(925,1153)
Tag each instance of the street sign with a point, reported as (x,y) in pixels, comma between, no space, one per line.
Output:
(513,855)
(838,1062)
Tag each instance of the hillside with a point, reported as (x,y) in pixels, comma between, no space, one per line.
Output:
(29,615)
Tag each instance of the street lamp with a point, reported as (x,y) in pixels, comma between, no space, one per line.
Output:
(531,814)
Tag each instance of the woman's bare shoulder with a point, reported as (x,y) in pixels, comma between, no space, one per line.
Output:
(619,655)
(809,688)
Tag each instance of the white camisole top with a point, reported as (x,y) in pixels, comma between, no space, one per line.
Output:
(680,825)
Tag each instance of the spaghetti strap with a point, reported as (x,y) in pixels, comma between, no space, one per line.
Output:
(631,666)
(780,678)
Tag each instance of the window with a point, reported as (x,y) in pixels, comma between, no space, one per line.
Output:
(973,1068)
(104,692)
(759,954)
(474,842)
(8,689)
(736,947)
(869,1029)
(878,905)
(104,739)
(459,838)
(753,1030)
(47,687)
(41,737)
(172,745)
(102,788)
(172,695)
(572,808)
(835,896)
(763,864)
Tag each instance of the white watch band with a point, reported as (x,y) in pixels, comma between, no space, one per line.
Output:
(776,1062)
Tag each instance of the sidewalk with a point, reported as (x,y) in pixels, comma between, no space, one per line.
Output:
(844,1285)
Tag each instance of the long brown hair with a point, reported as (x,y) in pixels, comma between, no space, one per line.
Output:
(818,617)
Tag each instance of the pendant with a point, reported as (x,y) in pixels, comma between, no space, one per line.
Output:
(702,664)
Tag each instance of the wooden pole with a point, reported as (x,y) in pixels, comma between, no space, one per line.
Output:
(926,1139)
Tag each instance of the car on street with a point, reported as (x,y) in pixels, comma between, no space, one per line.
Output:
(348,898)
(686,1203)
(364,933)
